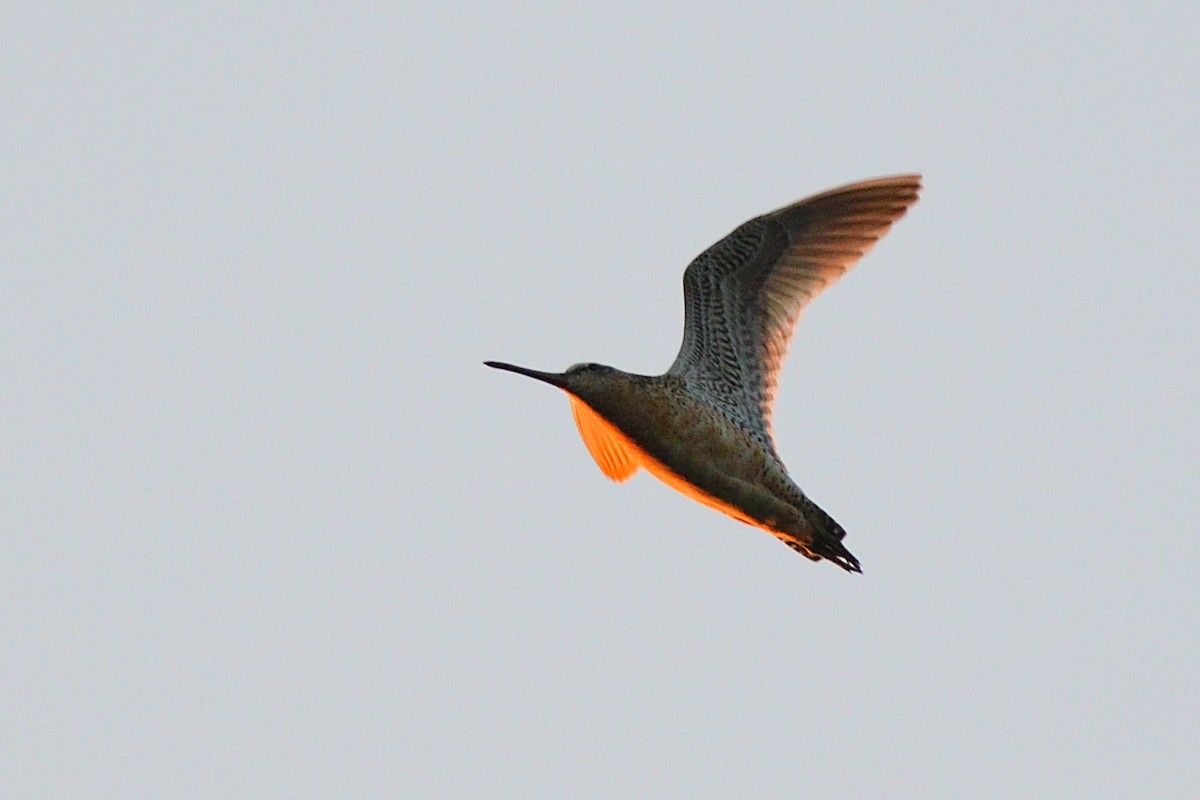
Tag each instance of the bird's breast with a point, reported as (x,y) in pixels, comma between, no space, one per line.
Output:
(689,436)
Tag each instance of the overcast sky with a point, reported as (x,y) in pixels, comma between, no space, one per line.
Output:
(269,529)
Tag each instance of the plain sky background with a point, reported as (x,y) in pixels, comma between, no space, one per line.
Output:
(269,529)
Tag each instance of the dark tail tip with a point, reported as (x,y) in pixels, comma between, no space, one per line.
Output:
(844,559)
(828,549)
(827,538)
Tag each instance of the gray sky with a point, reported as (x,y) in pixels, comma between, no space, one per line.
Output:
(271,530)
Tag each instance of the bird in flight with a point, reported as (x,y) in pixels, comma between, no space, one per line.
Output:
(704,427)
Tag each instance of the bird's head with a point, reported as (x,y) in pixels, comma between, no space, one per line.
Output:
(585,381)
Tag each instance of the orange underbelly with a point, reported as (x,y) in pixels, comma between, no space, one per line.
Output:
(619,457)
(658,470)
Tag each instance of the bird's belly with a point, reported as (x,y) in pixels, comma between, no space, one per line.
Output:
(718,467)
(702,444)
(689,489)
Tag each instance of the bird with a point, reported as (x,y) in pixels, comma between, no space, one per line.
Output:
(705,426)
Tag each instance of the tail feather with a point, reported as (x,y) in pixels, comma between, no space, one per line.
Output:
(837,553)
(825,539)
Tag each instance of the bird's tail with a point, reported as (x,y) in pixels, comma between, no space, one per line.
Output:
(824,539)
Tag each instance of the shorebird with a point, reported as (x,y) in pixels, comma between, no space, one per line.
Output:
(704,427)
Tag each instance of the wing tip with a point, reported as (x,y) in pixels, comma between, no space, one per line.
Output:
(867,208)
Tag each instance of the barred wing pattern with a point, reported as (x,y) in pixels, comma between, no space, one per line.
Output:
(743,296)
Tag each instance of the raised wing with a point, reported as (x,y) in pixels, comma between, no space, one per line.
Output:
(743,295)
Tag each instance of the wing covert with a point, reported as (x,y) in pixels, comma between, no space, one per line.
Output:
(743,295)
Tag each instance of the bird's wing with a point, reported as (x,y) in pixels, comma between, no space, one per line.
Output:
(616,456)
(743,295)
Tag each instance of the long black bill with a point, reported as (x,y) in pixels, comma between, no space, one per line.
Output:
(552,378)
